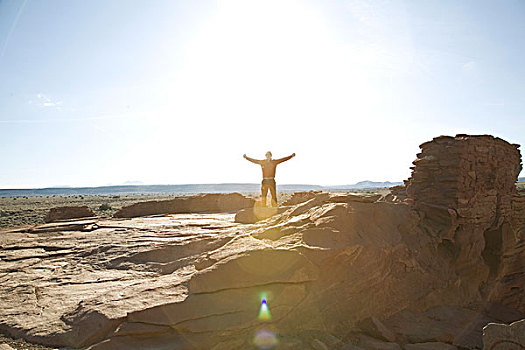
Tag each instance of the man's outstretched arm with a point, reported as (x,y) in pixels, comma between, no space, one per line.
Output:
(252,160)
(280,160)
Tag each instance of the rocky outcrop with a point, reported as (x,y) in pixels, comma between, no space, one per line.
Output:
(472,174)
(204,203)
(337,271)
(67,213)
(464,188)
(397,194)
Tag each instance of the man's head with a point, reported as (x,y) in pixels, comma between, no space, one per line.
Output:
(268,155)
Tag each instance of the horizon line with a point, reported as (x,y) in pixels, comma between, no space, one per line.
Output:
(189,184)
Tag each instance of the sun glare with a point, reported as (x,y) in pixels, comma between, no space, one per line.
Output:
(268,60)
(255,65)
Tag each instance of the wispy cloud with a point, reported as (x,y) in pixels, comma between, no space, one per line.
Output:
(469,66)
(42,100)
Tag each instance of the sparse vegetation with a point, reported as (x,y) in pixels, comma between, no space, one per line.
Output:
(104,207)
(32,210)
(19,211)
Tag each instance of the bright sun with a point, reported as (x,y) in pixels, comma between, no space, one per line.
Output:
(273,59)
(254,66)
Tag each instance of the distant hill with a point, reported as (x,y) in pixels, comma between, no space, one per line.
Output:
(133,182)
(362,185)
(183,189)
(521,179)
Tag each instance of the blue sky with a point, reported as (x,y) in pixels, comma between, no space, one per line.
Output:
(103,92)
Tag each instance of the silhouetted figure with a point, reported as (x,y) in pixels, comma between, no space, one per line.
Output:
(268,166)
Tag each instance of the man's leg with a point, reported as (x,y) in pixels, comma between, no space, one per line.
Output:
(264,192)
(273,192)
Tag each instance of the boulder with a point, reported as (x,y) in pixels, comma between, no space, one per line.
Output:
(67,213)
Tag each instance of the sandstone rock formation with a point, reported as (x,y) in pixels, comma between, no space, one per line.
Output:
(416,270)
(204,203)
(465,190)
(66,213)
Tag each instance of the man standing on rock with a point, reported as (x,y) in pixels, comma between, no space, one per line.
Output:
(268,166)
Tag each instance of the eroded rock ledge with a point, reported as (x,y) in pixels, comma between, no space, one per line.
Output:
(427,266)
(203,203)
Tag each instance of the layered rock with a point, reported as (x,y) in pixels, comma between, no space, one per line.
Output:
(204,203)
(472,174)
(464,188)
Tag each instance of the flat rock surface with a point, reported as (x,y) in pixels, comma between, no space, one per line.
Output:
(53,278)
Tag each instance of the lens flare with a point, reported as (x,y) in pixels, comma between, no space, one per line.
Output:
(265,339)
(262,212)
(264,312)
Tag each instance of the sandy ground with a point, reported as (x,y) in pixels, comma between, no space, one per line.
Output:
(18,211)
